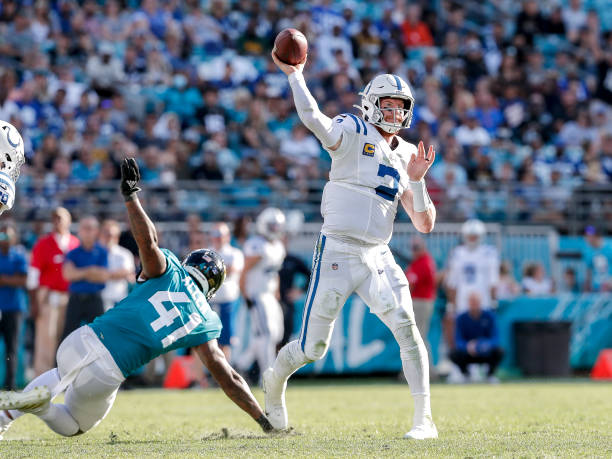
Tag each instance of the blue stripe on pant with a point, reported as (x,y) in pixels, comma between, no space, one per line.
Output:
(316,268)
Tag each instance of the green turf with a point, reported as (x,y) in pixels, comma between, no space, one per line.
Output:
(339,419)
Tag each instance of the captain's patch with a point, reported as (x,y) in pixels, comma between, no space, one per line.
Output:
(368,149)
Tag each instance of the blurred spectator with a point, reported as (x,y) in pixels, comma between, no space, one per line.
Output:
(569,281)
(598,257)
(507,287)
(477,339)
(13,273)
(421,275)
(226,300)
(415,32)
(90,73)
(86,270)
(120,265)
(49,288)
(105,71)
(301,147)
(574,18)
(471,132)
(535,282)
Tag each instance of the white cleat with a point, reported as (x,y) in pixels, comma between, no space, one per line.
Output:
(274,396)
(26,402)
(423,431)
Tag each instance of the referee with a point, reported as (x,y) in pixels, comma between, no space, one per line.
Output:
(86,269)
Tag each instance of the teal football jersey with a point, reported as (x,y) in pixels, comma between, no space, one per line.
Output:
(159,315)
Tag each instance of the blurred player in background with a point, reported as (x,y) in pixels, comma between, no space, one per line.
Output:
(373,169)
(472,266)
(227,297)
(11,159)
(120,265)
(264,253)
(167,310)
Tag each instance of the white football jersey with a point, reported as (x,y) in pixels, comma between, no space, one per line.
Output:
(7,192)
(471,270)
(234,262)
(263,277)
(366,181)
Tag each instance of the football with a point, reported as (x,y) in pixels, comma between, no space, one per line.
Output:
(291,46)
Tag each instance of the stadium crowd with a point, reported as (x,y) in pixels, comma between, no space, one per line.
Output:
(519,106)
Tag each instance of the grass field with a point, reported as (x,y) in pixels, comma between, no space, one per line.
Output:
(339,419)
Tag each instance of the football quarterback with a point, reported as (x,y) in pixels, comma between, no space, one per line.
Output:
(373,170)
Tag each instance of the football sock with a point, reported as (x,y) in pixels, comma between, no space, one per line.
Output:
(59,420)
(289,360)
(416,370)
(50,379)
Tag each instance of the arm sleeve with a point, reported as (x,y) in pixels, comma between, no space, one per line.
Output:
(321,125)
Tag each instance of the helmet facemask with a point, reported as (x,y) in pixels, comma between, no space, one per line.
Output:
(406,114)
(383,87)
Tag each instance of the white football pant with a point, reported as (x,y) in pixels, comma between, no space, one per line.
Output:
(339,269)
(90,377)
(267,329)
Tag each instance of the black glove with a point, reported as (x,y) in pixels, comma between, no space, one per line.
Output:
(130,176)
(250,303)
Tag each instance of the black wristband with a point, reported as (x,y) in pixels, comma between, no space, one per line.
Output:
(264,423)
(130,197)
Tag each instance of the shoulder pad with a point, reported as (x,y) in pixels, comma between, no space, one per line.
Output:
(359,124)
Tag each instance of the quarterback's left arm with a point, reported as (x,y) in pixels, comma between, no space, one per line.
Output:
(416,200)
(234,386)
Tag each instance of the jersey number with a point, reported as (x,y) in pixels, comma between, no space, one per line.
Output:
(167,317)
(469,271)
(384,191)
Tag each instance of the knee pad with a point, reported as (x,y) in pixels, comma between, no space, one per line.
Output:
(293,354)
(410,342)
(316,351)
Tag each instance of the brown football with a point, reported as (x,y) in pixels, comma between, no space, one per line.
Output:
(291,46)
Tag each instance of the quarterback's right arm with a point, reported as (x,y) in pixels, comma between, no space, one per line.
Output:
(151,257)
(328,132)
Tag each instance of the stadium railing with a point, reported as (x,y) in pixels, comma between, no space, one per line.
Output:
(513,203)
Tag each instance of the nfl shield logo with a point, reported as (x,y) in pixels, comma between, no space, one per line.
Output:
(335,266)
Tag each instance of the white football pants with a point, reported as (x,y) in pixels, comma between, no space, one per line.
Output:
(339,269)
(266,332)
(90,377)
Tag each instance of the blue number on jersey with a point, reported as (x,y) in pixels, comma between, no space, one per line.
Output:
(385,191)
(470,273)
